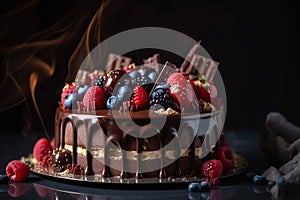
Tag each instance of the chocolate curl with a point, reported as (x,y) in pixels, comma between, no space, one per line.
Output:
(115,61)
(186,63)
(153,62)
(167,70)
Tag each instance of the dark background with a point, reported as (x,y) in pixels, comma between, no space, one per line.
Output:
(254,41)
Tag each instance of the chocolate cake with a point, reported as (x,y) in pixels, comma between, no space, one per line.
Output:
(97,142)
(139,122)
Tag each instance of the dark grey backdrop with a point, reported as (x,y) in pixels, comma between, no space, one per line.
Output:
(255,42)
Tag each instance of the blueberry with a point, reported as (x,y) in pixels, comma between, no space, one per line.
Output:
(82,90)
(3,178)
(281,180)
(194,187)
(71,101)
(205,185)
(259,180)
(134,74)
(271,184)
(113,103)
(164,85)
(124,93)
(153,76)
(249,175)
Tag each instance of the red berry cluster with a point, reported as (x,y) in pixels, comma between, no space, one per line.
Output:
(76,169)
(221,162)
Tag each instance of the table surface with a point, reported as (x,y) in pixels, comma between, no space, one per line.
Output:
(245,143)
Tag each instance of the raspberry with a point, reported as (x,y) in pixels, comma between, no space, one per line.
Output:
(212,168)
(139,99)
(41,149)
(177,78)
(68,89)
(17,170)
(94,99)
(76,169)
(225,155)
(181,90)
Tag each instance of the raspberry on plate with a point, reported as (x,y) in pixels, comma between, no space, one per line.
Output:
(17,170)
(41,149)
(212,168)
(225,155)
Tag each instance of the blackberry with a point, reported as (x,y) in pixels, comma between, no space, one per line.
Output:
(161,97)
(99,81)
(143,81)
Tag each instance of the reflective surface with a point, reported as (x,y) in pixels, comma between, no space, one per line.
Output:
(236,187)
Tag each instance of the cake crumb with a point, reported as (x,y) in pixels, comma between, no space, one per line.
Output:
(169,111)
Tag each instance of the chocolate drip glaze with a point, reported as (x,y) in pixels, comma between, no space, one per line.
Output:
(128,144)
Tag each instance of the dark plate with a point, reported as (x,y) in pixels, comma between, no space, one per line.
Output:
(240,166)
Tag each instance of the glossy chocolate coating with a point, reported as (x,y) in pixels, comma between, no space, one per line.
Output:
(78,130)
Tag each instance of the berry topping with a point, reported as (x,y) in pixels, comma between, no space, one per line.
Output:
(212,168)
(202,89)
(60,159)
(82,90)
(143,81)
(161,98)
(75,169)
(181,90)
(113,103)
(71,101)
(225,155)
(41,148)
(153,76)
(94,99)
(139,99)
(124,93)
(68,89)
(17,170)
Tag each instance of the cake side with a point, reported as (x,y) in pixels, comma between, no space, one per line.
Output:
(96,142)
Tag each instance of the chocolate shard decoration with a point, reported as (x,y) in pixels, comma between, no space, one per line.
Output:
(186,63)
(81,77)
(195,65)
(115,61)
(201,65)
(153,62)
(166,71)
